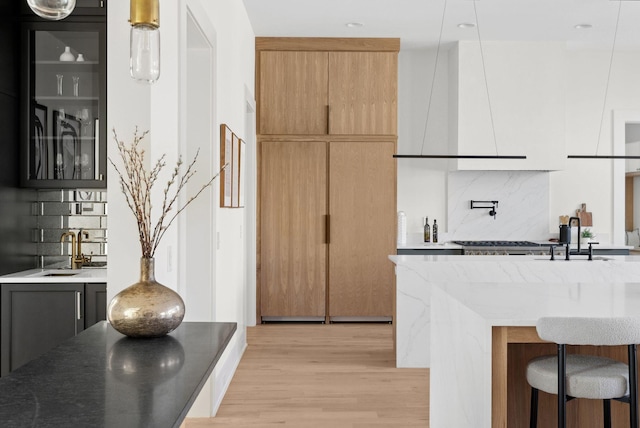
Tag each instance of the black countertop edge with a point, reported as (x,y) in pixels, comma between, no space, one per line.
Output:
(101,378)
(204,379)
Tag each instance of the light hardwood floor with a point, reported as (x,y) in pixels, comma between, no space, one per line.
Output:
(338,376)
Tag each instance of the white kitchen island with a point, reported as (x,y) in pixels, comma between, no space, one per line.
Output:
(478,314)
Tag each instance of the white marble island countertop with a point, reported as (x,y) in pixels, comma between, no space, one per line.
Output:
(53,276)
(521,268)
(448,308)
(493,278)
(417,245)
(521,304)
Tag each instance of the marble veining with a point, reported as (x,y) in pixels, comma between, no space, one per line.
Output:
(414,299)
(466,296)
(523,209)
(463,315)
(417,275)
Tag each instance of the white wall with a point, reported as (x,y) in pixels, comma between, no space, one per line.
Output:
(161,108)
(591,181)
(128,106)
(422,184)
(511,101)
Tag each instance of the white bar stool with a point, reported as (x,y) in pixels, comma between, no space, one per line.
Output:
(586,376)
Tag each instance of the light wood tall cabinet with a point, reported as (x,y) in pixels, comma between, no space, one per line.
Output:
(327,130)
(293,92)
(362,194)
(293,187)
(320,92)
(363,88)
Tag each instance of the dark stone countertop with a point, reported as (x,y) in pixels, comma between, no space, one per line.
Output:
(101,378)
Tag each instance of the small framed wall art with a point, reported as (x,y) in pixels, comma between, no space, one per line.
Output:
(235,164)
(226,176)
(242,174)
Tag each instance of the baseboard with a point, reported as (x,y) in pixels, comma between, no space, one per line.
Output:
(361,319)
(227,371)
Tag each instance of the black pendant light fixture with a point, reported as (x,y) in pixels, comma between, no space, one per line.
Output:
(604,103)
(447,156)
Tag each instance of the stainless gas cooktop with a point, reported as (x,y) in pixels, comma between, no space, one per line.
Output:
(497,243)
(502,248)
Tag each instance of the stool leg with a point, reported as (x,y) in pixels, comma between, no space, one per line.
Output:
(633,386)
(533,418)
(562,395)
(606,407)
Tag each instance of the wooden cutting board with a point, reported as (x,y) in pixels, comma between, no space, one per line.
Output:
(585,216)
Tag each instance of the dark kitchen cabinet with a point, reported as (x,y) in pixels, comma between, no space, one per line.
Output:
(83,8)
(38,317)
(63,103)
(95,303)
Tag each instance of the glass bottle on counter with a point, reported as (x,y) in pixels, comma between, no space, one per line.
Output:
(435,231)
(427,230)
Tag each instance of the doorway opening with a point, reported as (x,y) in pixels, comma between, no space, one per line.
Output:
(626,176)
(199,222)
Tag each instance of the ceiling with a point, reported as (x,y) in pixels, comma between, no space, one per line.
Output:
(417,22)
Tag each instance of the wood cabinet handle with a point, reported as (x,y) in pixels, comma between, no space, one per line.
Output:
(327,229)
(328,119)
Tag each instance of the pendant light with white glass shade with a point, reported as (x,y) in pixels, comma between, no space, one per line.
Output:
(52,9)
(144,61)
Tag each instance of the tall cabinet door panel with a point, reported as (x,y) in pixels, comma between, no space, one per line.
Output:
(362,206)
(363,93)
(293,236)
(293,92)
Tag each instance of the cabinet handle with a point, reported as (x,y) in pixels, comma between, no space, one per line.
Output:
(328,119)
(327,229)
(78,307)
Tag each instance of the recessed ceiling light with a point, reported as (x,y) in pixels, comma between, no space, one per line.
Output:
(354,24)
(582,26)
(466,25)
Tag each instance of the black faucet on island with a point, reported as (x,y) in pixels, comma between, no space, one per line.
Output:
(565,239)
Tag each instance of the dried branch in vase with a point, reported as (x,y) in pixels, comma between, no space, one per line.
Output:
(136,183)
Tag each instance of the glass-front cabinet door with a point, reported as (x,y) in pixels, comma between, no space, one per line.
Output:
(64,105)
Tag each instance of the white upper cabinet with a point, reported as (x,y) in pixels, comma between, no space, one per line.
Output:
(526,91)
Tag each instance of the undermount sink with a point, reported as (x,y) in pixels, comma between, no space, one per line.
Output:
(55,273)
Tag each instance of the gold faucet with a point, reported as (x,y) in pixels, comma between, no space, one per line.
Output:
(80,257)
(77,258)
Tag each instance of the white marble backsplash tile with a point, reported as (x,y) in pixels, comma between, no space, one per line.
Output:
(522,212)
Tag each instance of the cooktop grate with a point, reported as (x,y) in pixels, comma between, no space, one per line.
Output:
(497,243)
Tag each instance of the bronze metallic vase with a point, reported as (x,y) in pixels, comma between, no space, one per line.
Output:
(146,308)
